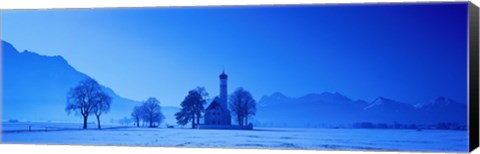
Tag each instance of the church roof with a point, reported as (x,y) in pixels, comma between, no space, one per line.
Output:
(213,105)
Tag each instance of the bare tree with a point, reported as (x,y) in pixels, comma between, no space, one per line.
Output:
(137,114)
(152,112)
(102,104)
(83,98)
(199,104)
(236,107)
(242,105)
(250,107)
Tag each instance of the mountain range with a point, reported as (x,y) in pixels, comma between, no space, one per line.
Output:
(327,109)
(35,88)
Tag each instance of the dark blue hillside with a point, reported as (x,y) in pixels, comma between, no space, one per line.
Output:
(35,88)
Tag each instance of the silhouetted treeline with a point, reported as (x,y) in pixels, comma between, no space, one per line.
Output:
(441,125)
(451,126)
(368,125)
(384,125)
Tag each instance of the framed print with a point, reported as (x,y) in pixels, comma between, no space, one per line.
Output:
(358,77)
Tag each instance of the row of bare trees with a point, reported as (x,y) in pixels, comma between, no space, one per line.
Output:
(88,98)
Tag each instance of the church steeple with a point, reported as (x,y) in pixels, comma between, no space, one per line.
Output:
(223,75)
(223,89)
(217,113)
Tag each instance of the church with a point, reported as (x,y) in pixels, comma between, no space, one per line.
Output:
(217,113)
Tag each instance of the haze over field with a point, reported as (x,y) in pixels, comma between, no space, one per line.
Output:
(35,85)
(360,51)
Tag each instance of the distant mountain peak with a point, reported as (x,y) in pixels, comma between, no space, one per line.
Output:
(330,93)
(278,95)
(31,53)
(324,94)
(335,94)
(380,101)
(381,98)
(275,97)
(8,49)
(439,101)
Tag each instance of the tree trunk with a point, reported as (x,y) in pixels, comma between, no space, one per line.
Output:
(150,123)
(193,122)
(85,118)
(98,121)
(245,115)
(243,120)
(138,122)
(198,121)
(239,118)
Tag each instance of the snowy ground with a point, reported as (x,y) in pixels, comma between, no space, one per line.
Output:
(276,138)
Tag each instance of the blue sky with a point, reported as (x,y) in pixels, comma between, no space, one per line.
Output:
(410,53)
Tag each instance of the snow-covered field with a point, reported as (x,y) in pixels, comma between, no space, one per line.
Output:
(40,126)
(276,138)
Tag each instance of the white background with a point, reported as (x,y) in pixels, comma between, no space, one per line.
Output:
(45,4)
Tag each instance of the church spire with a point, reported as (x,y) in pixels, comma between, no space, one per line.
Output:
(223,89)
(223,75)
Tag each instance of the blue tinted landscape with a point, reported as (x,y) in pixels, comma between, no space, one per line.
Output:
(324,77)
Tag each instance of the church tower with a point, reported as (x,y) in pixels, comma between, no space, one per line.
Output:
(217,113)
(223,89)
